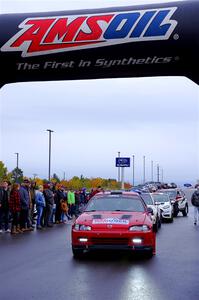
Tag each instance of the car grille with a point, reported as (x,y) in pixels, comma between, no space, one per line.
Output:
(109,241)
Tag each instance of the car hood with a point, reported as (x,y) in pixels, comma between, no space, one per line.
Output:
(116,219)
(162,204)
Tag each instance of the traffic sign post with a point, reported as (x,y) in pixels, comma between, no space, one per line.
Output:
(122,162)
(122,178)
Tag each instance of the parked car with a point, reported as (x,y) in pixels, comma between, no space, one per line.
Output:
(179,201)
(165,206)
(173,185)
(165,186)
(156,217)
(115,221)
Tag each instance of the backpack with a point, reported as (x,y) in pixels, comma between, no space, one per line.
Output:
(195,199)
(64,206)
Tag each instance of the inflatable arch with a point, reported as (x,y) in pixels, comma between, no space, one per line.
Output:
(138,41)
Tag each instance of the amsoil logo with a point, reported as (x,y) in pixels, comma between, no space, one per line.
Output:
(46,35)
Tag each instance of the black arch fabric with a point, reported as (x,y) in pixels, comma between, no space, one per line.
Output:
(146,40)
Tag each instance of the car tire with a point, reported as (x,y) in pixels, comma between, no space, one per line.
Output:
(77,253)
(185,211)
(149,254)
(159,223)
(171,220)
(175,214)
(175,210)
(155,226)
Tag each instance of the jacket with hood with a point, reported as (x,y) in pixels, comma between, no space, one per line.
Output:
(195,198)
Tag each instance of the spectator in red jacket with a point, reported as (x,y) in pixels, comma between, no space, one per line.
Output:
(15,208)
(95,191)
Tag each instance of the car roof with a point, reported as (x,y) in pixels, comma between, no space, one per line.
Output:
(172,190)
(122,193)
(158,193)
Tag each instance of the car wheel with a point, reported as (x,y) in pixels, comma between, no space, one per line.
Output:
(185,211)
(77,253)
(149,254)
(175,210)
(159,222)
(155,226)
(171,219)
(175,214)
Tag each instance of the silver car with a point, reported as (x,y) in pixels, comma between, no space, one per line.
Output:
(156,217)
(163,201)
(179,201)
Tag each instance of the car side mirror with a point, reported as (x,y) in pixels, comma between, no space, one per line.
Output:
(150,210)
(172,201)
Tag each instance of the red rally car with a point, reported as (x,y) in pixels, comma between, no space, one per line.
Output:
(114,220)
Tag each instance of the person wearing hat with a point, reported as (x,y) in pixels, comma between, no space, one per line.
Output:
(25,205)
(49,199)
(195,203)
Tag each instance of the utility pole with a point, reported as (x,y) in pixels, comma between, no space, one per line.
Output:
(143,169)
(151,170)
(162,175)
(49,162)
(122,177)
(118,169)
(17,168)
(35,175)
(133,170)
(158,173)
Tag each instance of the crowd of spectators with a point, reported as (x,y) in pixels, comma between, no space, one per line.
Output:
(25,206)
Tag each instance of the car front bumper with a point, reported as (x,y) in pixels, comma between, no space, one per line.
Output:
(117,241)
(167,214)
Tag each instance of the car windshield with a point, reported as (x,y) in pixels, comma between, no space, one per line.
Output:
(161,197)
(172,194)
(111,203)
(147,199)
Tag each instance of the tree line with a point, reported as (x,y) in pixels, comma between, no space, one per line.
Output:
(75,183)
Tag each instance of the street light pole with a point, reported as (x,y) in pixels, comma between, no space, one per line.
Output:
(162,175)
(143,169)
(158,173)
(118,169)
(17,166)
(49,163)
(122,177)
(35,175)
(152,170)
(133,170)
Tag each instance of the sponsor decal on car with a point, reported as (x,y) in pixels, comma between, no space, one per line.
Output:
(46,35)
(111,221)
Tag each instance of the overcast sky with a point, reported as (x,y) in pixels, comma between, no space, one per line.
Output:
(94,119)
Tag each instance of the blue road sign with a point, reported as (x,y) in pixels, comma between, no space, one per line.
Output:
(122,161)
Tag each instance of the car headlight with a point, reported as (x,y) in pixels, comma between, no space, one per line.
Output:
(82,227)
(139,228)
(166,206)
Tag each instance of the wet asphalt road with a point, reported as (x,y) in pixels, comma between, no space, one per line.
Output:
(40,266)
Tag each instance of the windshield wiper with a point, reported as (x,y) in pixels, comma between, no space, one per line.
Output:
(90,210)
(123,210)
